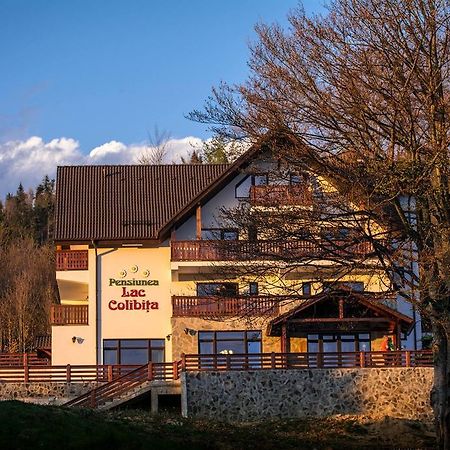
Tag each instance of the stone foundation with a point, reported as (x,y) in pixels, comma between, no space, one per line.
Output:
(254,395)
(44,393)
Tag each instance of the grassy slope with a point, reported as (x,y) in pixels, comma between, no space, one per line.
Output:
(25,426)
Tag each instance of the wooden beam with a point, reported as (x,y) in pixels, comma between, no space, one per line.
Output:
(341,308)
(345,319)
(198,217)
(284,339)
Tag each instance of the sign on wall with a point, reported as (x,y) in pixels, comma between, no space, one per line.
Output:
(129,297)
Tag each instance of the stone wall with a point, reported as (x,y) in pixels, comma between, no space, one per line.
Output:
(44,393)
(243,396)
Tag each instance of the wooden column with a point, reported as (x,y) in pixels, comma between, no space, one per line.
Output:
(284,339)
(198,216)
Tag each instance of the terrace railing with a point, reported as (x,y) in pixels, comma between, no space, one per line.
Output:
(274,361)
(22,359)
(184,306)
(272,195)
(72,260)
(69,315)
(83,373)
(240,250)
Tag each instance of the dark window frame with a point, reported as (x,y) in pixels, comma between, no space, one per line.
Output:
(234,291)
(214,339)
(221,233)
(357,340)
(119,346)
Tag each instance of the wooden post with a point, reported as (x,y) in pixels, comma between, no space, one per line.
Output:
(272,361)
(408,358)
(110,373)
(283,338)
(362,359)
(68,373)
(150,371)
(92,399)
(198,216)
(183,362)
(175,370)
(25,359)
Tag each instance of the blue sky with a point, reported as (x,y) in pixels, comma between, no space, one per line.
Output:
(101,71)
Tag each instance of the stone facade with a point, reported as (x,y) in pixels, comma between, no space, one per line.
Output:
(244,396)
(44,393)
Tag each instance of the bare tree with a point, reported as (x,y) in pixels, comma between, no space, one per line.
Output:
(156,148)
(361,97)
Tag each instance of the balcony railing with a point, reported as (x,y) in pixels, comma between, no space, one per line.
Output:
(273,361)
(69,315)
(72,260)
(286,195)
(240,250)
(184,306)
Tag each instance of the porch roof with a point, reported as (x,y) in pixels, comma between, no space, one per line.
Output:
(382,316)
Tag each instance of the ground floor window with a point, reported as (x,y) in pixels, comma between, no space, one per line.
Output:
(338,342)
(133,351)
(229,342)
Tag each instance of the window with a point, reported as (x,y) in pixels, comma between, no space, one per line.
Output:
(229,342)
(306,288)
(253,288)
(338,342)
(217,289)
(215,234)
(133,351)
(355,286)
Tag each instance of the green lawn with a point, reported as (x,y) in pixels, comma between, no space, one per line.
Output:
(26,426)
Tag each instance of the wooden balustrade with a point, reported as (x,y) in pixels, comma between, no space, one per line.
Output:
(260,361)
(184,306)
(72,260)
(69,315)
(168,371)
(287,195)
(240,250)
(22,359)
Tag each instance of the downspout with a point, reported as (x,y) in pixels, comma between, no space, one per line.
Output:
(97,305)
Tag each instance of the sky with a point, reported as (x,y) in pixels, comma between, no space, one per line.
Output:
(85,81)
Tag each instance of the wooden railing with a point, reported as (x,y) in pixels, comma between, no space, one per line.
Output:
(286,195)
(69,315)
(240,250)
(184,306)
(273,361)
(22,359)
(126,383)
(72,260)
(82,373)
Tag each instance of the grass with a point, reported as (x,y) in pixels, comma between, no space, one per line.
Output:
(26,426)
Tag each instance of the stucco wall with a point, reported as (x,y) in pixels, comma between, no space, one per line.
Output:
(242,396)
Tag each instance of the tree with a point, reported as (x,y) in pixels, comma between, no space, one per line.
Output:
(361,97)
(156,149)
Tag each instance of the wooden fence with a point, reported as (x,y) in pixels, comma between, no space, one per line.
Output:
(69,315)
(218,362)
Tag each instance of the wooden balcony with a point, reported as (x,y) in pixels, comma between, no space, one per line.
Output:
(69,315)
(184,306)
(241,250)
(72,260)
(286,195)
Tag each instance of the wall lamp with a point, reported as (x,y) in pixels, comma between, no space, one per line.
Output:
(77,339)
(190,331)
(169,336)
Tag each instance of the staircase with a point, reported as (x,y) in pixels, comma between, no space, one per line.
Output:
(127,387)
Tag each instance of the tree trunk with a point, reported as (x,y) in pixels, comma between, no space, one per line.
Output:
(440,399)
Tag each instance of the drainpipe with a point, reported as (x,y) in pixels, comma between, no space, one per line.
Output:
(97,306)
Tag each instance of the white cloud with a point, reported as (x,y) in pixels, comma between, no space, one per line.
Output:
(28,161)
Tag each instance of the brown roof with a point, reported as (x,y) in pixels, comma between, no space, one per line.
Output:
(127,202)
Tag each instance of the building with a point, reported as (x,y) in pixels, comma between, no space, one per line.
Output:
(147,270)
